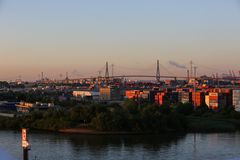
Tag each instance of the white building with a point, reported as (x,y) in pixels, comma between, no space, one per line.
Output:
(90,95)
(25,107)
(236,99)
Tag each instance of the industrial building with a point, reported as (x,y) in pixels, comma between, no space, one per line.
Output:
(86,95)
(200,98)
(110,93)
(132,94)
(185,97)
(216,100)
(25,107)
(8,106)
(144,95)
(236,99)
(161,98)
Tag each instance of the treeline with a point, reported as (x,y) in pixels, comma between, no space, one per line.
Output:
(31,96)
(130,117)
(39,96)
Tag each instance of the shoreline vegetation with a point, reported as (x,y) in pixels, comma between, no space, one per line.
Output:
(130,118)
(85,131)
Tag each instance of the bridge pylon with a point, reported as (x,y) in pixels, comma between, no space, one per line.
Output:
(158,72)
(106,73)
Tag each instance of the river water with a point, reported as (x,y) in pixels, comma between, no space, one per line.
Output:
(51,146)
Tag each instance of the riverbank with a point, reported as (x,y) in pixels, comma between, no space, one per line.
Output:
(212,125)
(128,119)
(194,125)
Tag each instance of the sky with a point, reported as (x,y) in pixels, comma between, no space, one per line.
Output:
(79,36)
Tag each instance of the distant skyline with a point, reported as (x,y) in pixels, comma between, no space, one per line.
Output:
(78,37)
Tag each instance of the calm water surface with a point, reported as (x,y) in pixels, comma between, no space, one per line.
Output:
(50,146)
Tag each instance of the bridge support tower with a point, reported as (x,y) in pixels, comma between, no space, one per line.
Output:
(158,72)
(106,73)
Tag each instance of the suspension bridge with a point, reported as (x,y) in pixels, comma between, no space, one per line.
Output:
(189,74)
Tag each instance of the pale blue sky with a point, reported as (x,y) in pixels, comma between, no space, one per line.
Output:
(78,36)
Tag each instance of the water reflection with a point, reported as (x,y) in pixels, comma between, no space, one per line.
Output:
(5,155)
(49,146)
(97,143)
(103,146)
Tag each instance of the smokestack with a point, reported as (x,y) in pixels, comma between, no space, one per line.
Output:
(188,76)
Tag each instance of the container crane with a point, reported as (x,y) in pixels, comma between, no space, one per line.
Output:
(230,73)
(233,74)
(213,76)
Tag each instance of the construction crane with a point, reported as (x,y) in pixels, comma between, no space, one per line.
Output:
(230,73)
(213,75)
(233,74)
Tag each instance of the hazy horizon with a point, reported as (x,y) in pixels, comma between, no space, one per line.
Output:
(78,37)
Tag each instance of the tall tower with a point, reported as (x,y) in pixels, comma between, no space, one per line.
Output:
(158,72)
(42,78)
(191,69)
(112,69)
(106,72)
(188,76)
(195,80)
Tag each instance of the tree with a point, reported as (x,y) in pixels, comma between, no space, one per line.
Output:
(186,108)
